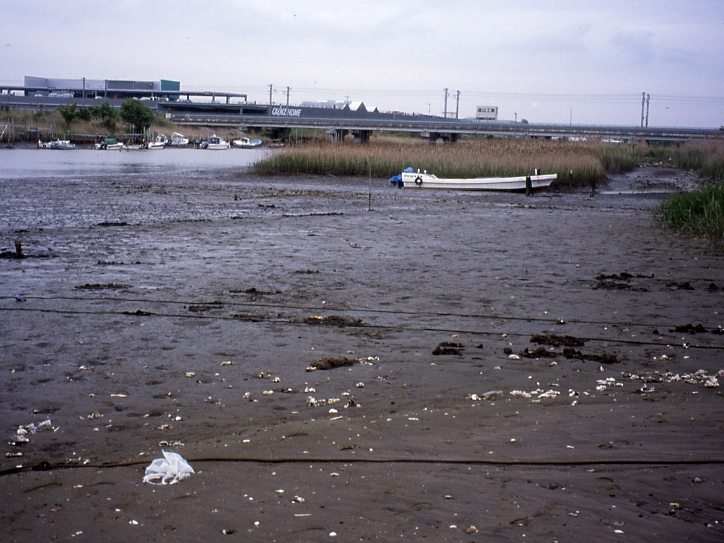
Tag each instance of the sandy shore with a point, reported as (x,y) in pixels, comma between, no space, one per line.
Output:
(183,313)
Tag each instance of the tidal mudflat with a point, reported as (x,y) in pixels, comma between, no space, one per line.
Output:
(346,361)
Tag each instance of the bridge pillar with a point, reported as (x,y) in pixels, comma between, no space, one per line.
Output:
(337,134)
(362,136)
(449,137)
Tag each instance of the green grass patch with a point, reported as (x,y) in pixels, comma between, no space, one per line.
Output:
(699,213)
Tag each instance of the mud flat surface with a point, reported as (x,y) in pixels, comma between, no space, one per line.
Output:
(491,367)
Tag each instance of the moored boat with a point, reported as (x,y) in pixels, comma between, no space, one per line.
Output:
(56,144)
(246,143)
(178,140)
(424,180)
(159,142)
(215,143)
(109,144)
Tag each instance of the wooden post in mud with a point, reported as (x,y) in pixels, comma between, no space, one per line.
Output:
(18,249)
(369,190)
(528,186)
(593,187)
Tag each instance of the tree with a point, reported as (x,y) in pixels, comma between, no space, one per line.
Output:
(136,114)
(106,112)
(69,113)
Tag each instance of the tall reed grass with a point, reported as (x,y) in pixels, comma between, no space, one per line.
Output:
(699,213)
(576,163)
(487,158)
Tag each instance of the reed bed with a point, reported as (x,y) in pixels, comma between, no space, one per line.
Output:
(573,163)
(576,163)
(705,158)
(699,213)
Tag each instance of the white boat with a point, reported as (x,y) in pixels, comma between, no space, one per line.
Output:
(246,143)
(56,144)
(178,140)
(159,142)
(109,144)
(215,143)
(424,180)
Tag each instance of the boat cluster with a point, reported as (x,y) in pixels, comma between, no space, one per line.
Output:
(158,142)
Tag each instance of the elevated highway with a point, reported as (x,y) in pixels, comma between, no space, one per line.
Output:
(450,130)
(243,115)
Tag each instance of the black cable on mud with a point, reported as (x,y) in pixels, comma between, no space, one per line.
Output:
(291,307)
(45,466)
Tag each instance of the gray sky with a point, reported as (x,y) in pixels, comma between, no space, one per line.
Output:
(543,60)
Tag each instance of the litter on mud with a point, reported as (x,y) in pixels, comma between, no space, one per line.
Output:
(171,469)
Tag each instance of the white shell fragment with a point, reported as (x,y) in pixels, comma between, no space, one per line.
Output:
(171,469)
(484,396)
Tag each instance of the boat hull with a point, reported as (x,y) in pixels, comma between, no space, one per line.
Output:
(505,184)
(246,143)
(108,146)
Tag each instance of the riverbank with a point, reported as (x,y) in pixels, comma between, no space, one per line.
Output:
(183,313)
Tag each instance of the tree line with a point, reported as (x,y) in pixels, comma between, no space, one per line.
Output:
(132,112)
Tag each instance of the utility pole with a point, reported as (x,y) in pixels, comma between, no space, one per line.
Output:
(287,96)
(648,97)
(271,89)
(444,112)
(457,105)
(643,104)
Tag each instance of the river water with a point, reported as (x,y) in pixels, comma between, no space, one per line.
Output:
(23,163)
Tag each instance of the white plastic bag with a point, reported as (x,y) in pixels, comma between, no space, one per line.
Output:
(168,470)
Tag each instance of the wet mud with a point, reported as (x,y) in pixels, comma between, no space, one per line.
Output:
(281,337)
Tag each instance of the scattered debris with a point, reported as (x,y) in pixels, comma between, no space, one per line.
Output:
(684,285)
(103,286)
(333,320)
(449,348)
(539,352)
(619,281)
(604,358)
(21,434)
(539,394)
(249,317)
(696,378)
(331,362)
(199,308)
(691,329)
(137,312)
(555,340)
(106,224)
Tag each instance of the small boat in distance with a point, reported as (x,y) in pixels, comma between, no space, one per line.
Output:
(215,143)
(159,142)
(56,144)
(246,143)
(109,144)
(424,180)
(178,140)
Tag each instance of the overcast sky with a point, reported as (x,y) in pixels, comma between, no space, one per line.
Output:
(554,61)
